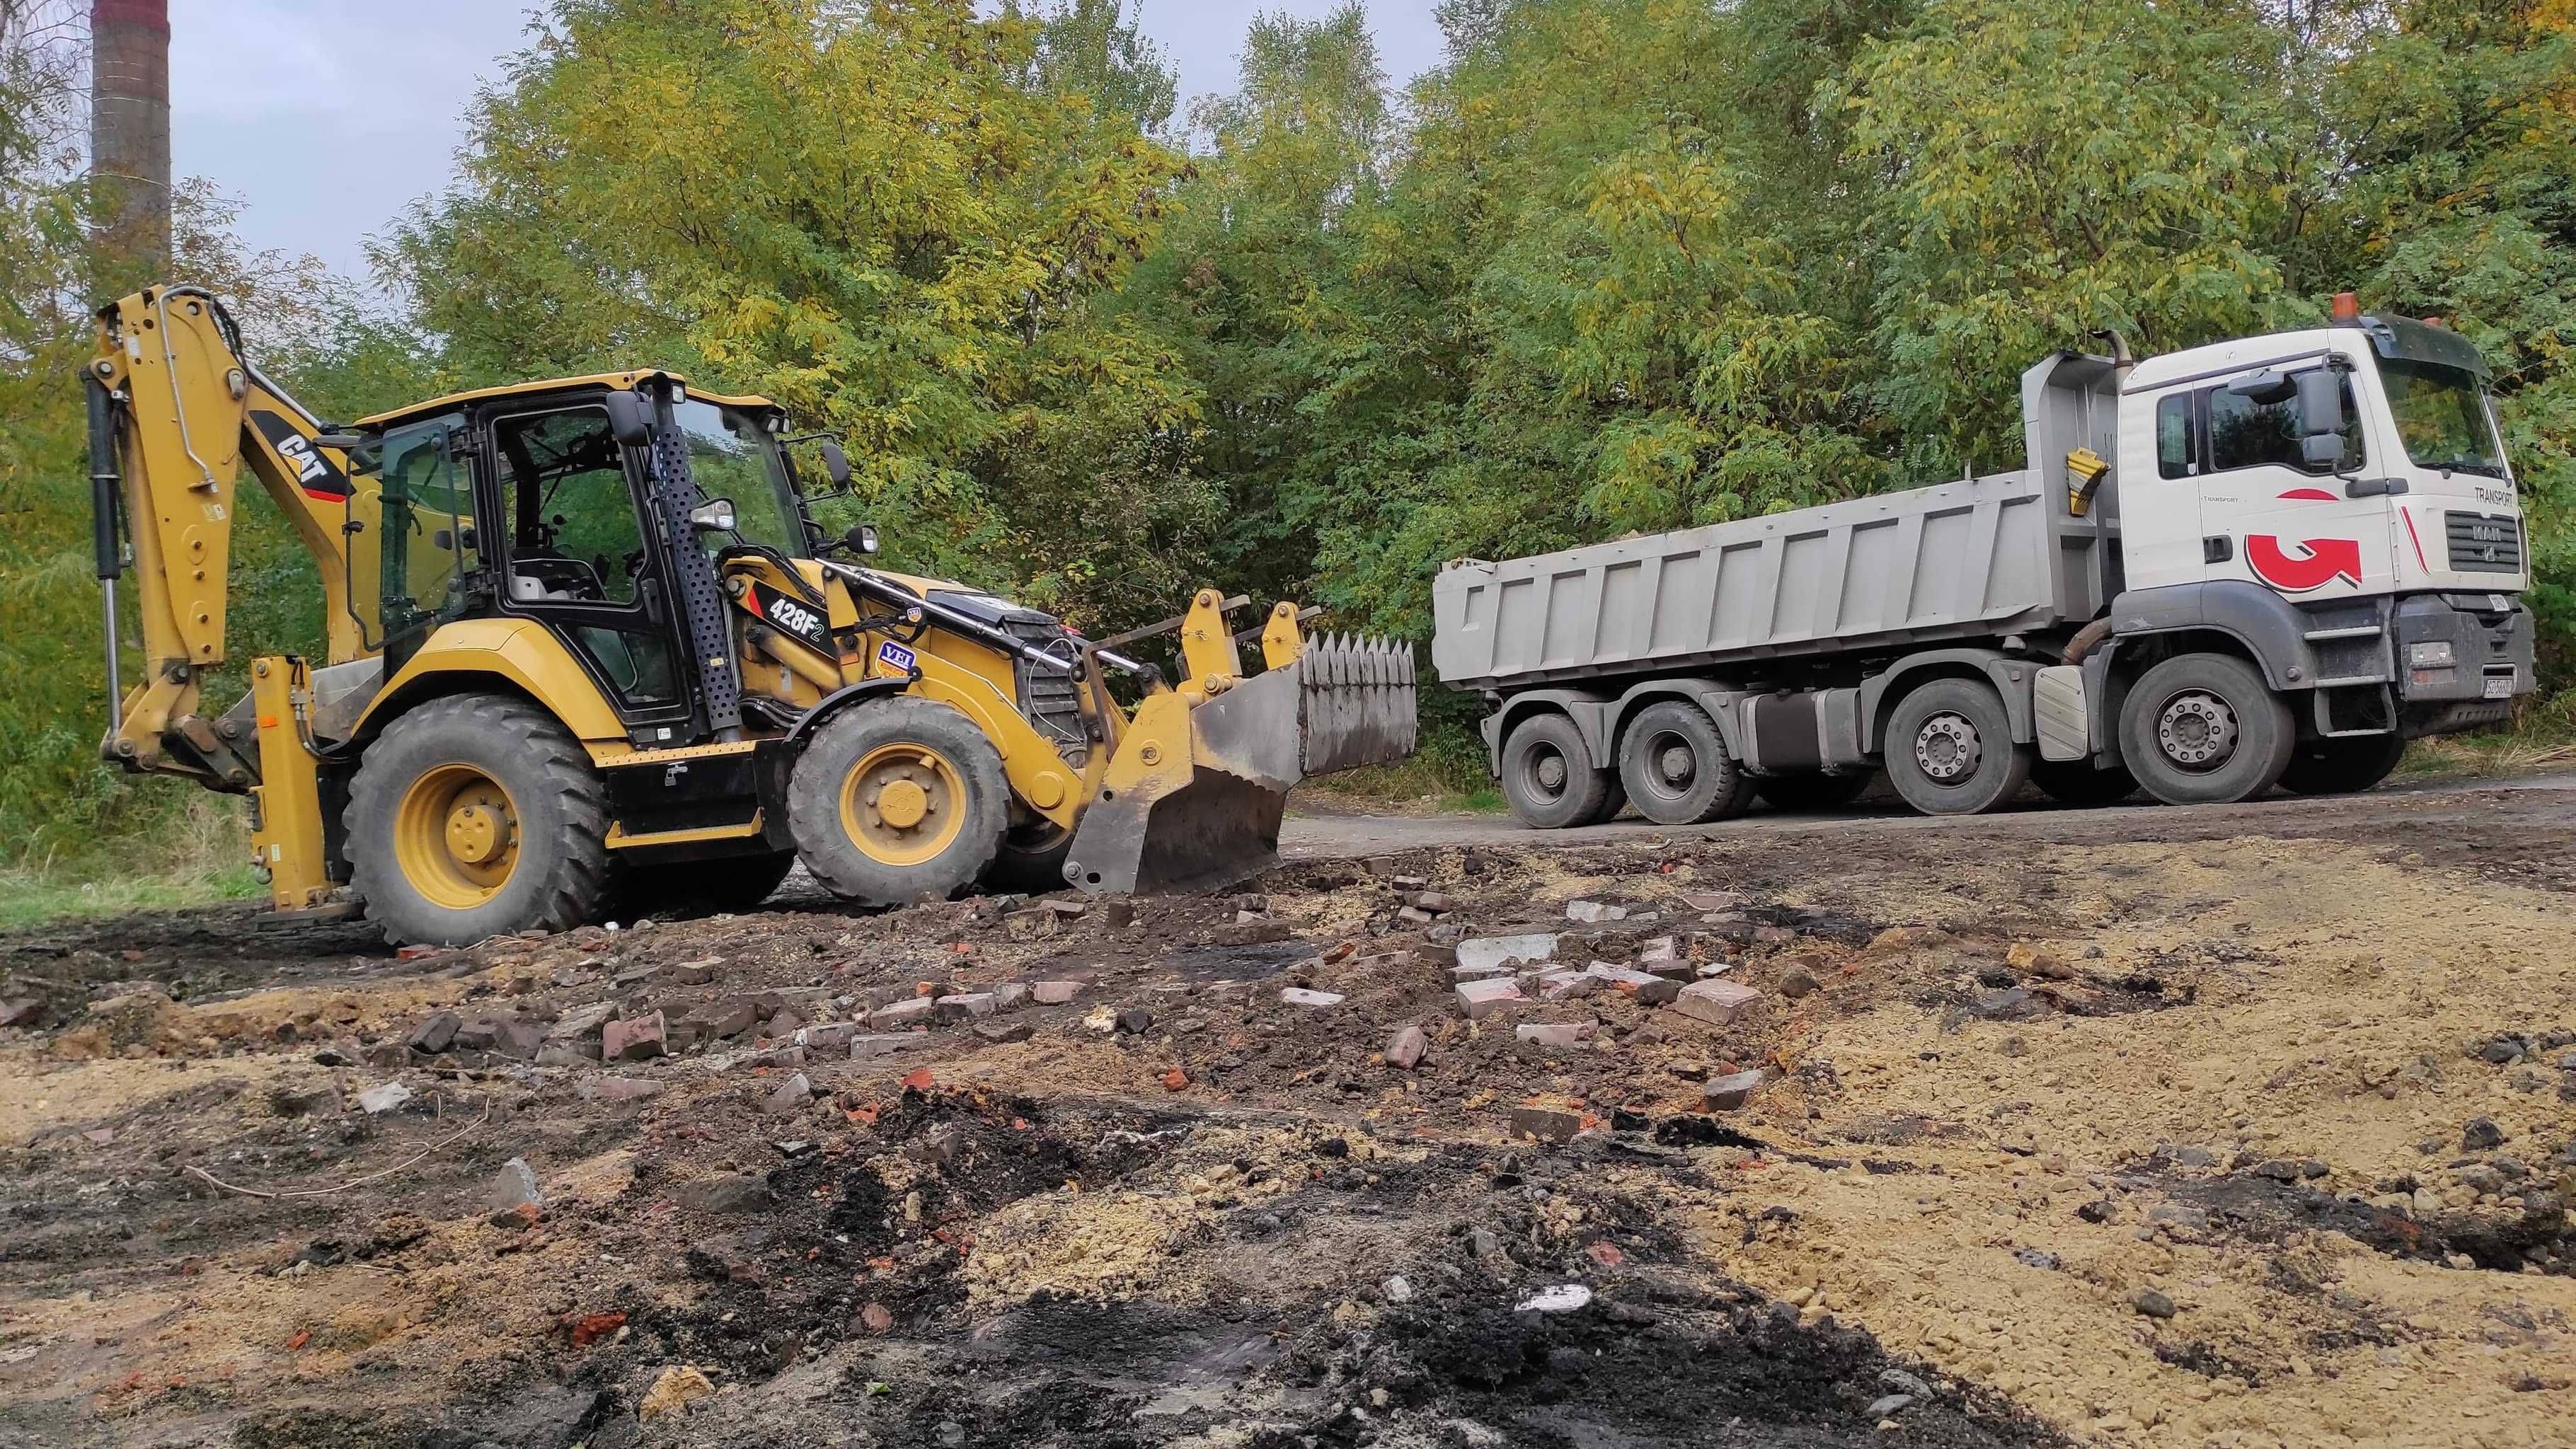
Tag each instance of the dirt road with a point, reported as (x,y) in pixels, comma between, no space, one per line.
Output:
(2241,1126)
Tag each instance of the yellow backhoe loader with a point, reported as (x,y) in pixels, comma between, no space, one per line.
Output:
(589,651)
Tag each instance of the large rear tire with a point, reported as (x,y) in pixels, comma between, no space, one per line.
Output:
(474,816)
(2204,729)
(896,799)
(1950,751)
(727,886)
(1813,789)
(1674,765)
(1550,778)
(2342,767)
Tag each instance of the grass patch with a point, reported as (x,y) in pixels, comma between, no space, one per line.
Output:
(2543,738)
(199,855)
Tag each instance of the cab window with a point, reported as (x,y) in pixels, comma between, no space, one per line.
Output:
(2244,433)
(574,533)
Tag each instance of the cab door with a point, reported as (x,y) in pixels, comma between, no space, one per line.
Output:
(578,555)
(2305,530)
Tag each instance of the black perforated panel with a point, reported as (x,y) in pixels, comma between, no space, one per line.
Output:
(674,493)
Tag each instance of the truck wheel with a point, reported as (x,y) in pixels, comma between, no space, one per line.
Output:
(1674,765)
(1950,749)
(475,816)
(896,799)
(1549,777)
(2204,729)
(730,885)
(2076,782)
(2341,767)
(1813,789)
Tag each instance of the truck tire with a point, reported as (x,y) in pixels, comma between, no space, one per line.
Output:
(474,816)
(1813,789)
(1950,751)
(1550,779)
(2342,767)
(896,799)
(1674,765)
(2204,729)
(2076,782)
(729,885)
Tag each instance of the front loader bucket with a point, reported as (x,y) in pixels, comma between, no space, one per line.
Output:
(1194,798)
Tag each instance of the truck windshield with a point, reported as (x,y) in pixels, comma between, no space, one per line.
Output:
(2441,415)
(733,456)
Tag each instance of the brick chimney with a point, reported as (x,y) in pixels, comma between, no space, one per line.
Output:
(129,150)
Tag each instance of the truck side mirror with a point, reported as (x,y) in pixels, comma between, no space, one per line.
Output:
(2321,417)
(628,420)
(836,464)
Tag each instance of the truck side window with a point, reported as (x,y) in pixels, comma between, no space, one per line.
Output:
(2175,456)
(2244,433)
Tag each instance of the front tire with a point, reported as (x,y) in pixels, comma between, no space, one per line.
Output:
(2342,767)
(897,799)
(1950,750)
(475,816)
(1674,765)
(2204,729)
(1550,778)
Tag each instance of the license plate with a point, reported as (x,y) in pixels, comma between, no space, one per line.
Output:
(2500,687)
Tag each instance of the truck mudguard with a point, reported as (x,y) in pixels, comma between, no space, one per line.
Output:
(2012,679)
(1589,711)
(2270,627)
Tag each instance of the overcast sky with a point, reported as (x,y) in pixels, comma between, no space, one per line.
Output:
(325,117)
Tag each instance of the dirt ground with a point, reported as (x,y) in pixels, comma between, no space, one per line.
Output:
(2248,1126)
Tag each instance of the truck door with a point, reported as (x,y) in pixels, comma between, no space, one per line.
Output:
(2269,515)
(576,557)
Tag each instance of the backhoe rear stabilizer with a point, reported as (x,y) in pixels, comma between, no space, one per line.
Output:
(1194,796)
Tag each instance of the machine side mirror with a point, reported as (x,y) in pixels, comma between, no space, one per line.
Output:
(2321,418)
(628,419)
(713,516)
(836,464)
(862,538)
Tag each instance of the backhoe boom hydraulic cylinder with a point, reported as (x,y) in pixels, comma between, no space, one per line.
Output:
(104,483)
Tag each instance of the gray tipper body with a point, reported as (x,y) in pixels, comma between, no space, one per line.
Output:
(1797,631)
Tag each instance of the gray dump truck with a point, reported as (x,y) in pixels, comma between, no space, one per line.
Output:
(2256,563)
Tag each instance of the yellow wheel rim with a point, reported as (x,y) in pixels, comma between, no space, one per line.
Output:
(456,837)
(903,803)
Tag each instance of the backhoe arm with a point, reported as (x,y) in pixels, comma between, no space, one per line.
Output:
(175,412)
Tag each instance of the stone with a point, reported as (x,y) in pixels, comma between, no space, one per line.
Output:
(563,1054)
(1134,1021)
(1054,993)
(1430,902)
(617,1089)
(910,1012)
(378,1100)
(631,1041)
(1010,996)
(21,1011)
(2001,1001)
(1593,913)
(875,1318)
(1658,951)
(583,1022)
(727,1194)
(1648,988)
(515,1039)
(1480,999)
(673,1391)
(2152,1302)
(2045,1261)
(783,1026)
(1404,1050)
(1567,985)
(432,1036)
(1003,1033)
(1898,1381)
(2279,1169)
(879,1044)
(1717,1001)
(1559,1298)
(1301,996)
(1118,913)
(2179,1215)
(1729,1093)
(474,1036)
(2194,1157)
(2481,1133)
(1413,916)
(1888,1406)
(1496,952)
(965,1006)
(1399,1289)
(1071,910)
(515,1187)
(695,973)
(1797,983)
(1555,1036)
(633,977)
(1545,1124)
(792,1096)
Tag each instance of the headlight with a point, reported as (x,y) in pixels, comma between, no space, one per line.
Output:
(2436,655)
